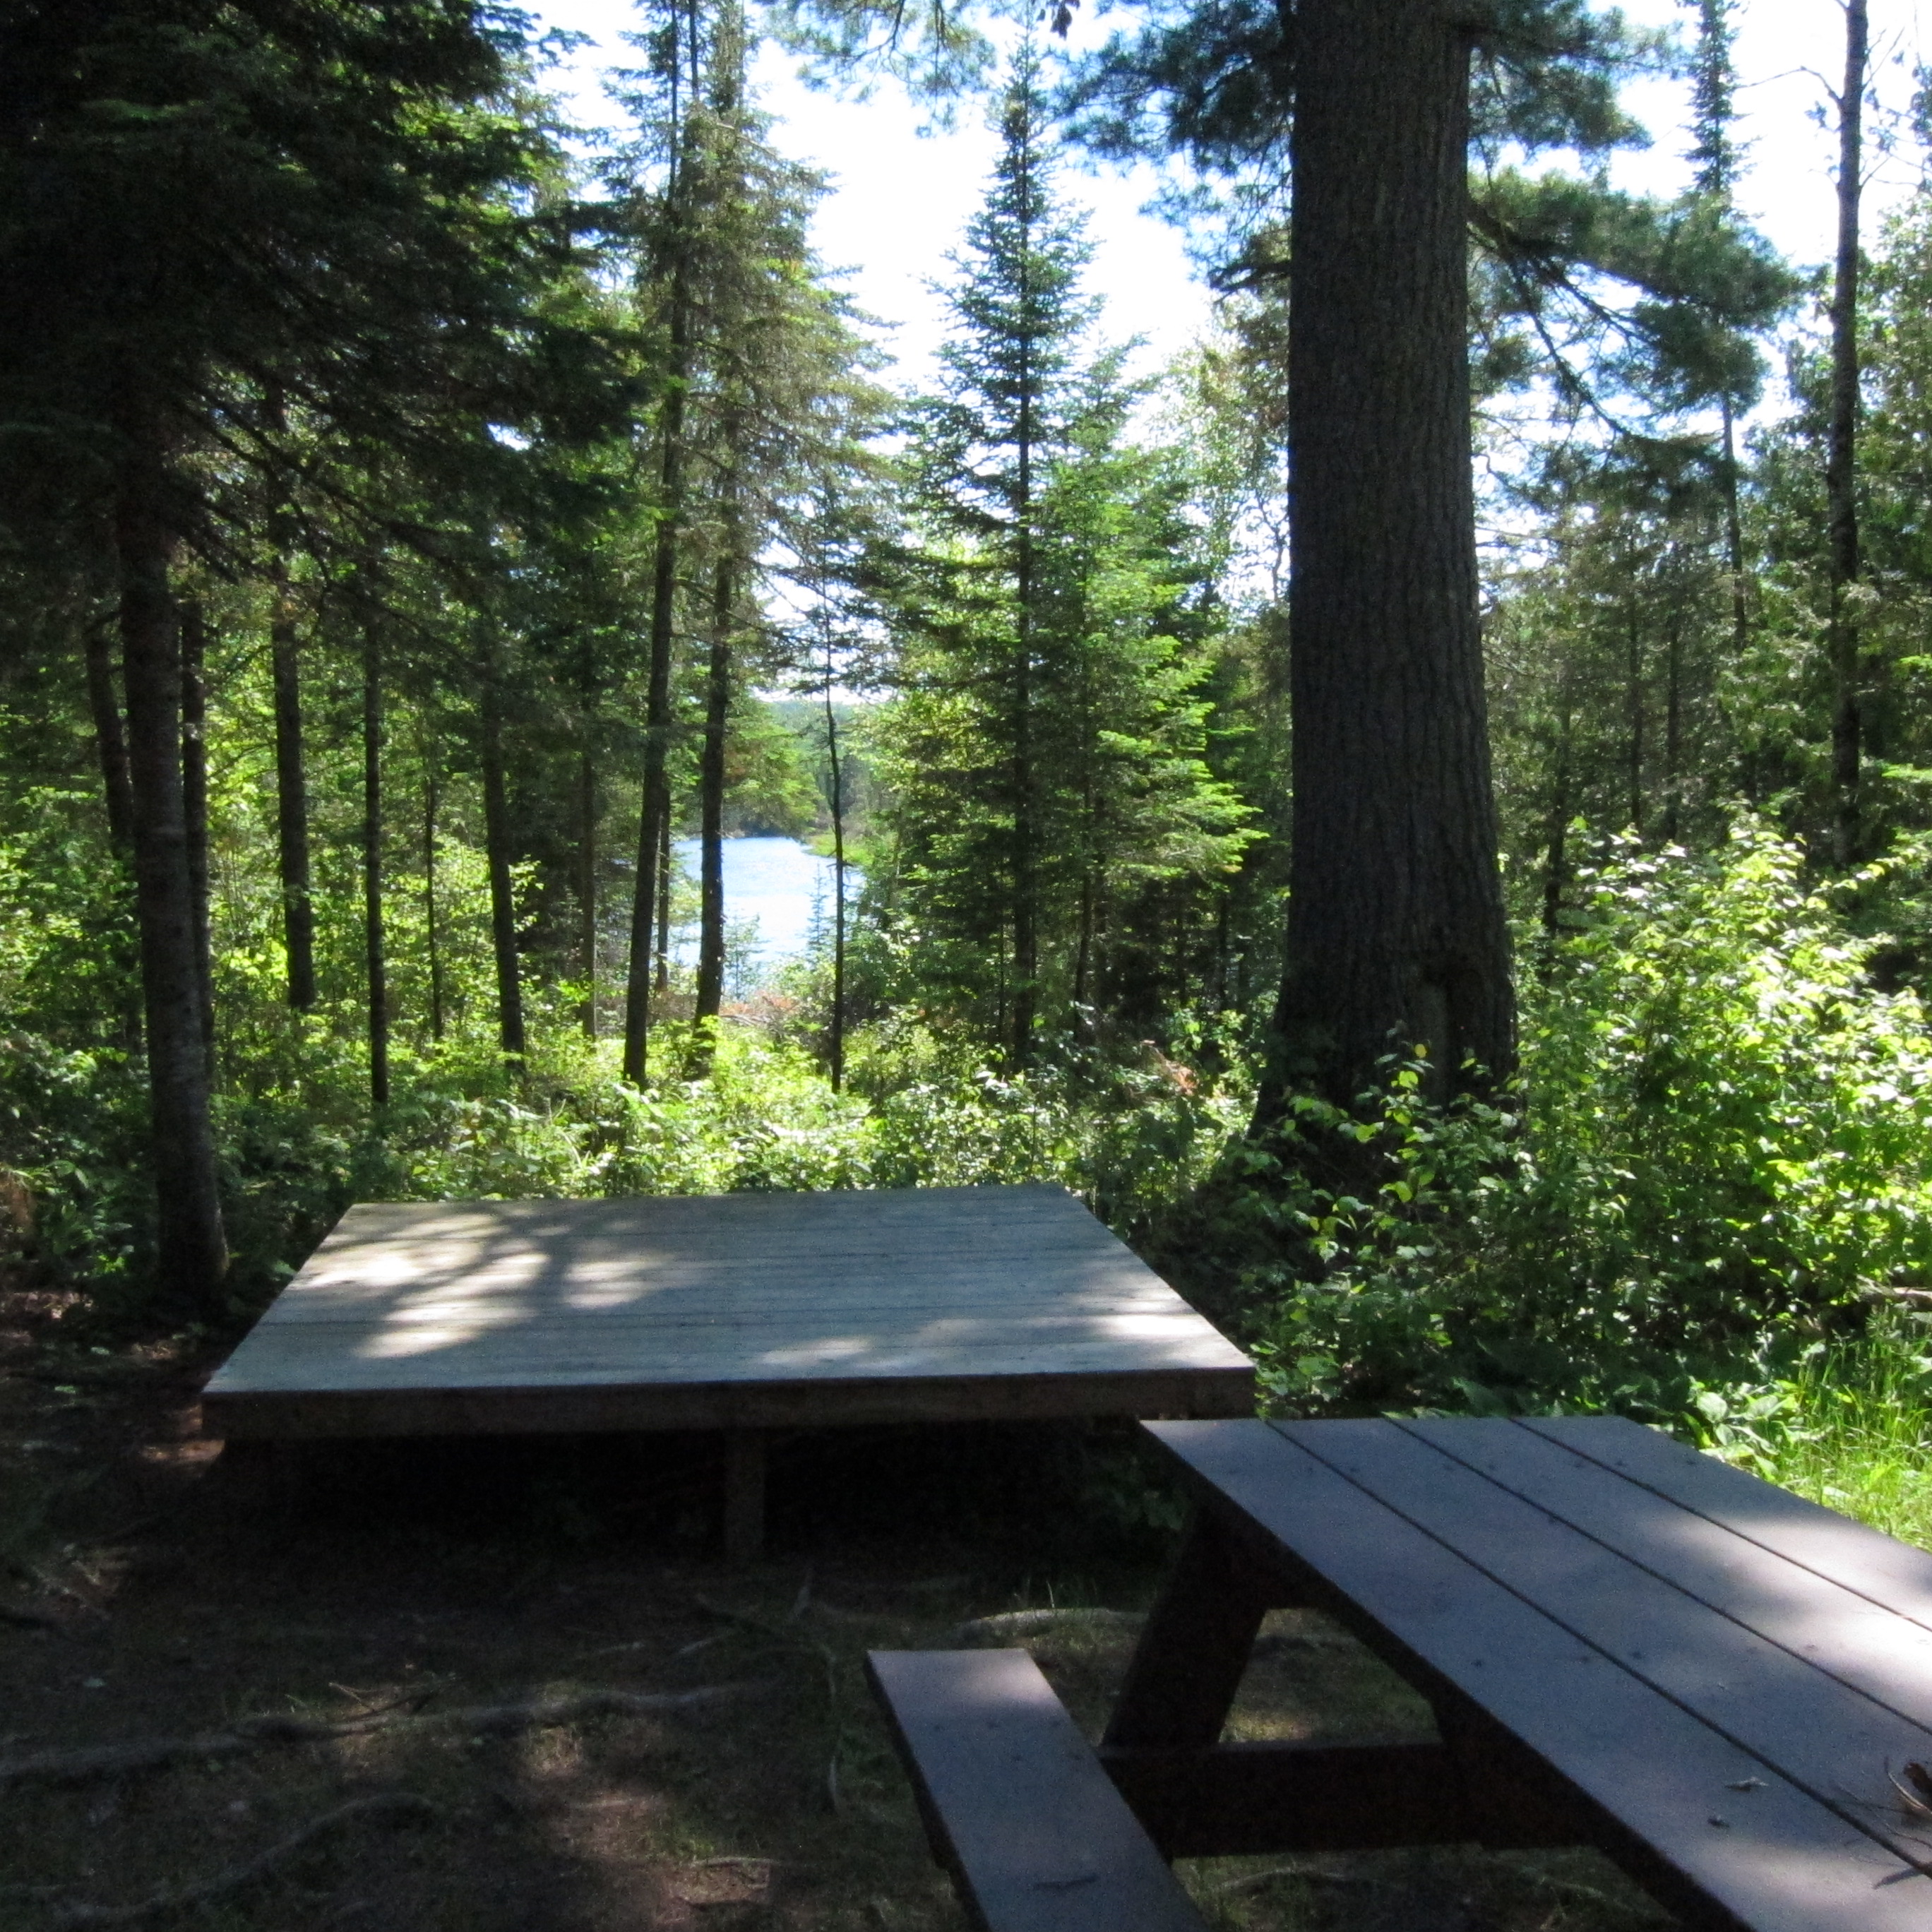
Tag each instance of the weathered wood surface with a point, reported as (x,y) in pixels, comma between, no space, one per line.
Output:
(1724,1719)
(722,1311)
(1016,1805)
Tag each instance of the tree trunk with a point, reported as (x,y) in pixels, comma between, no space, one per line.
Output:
(432,787)
(110,741)
(587,885)
(194,807)
(711,818)
(503,901)
(1026,907)
(1734,540)
(291,792)
(1634,700)
(1556,860)
(1396,930)
(1673,729)
(192,1250)
(1841,458)
(372,868)
(655,823)
(661,976)
(836,800)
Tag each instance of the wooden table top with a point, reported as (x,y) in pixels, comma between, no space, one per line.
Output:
(741,1310)
(1729,1677)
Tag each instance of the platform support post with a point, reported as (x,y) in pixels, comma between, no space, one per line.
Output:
(744,1495)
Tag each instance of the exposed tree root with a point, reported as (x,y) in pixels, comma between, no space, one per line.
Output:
(95,1761)
(1011,1624)
(393,1806)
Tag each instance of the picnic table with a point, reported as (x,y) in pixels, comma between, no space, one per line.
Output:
(1626,1644)
(745,1313)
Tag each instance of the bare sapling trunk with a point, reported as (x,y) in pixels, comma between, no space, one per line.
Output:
(191,1247)
(374,948)
(1841,458)
(1396,937)
(194,805)
(292,790)
(503,896)
(587,885)
(835,799)
(654,826)
(432,933)
(711,820)
(110,738)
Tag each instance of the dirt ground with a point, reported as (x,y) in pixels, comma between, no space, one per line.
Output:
(153,1587)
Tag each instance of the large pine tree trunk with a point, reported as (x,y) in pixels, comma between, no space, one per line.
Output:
(291,791)
(711,814)
(1841,457)
(192,1252)
(1396,931)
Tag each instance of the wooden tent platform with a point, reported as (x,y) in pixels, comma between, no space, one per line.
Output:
(739,1312)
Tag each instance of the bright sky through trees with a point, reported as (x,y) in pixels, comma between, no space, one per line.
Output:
(901,200)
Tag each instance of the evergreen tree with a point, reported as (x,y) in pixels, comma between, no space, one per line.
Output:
(1046,747)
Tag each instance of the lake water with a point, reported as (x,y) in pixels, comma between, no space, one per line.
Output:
(778,883)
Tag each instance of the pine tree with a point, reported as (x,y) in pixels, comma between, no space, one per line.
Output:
(1045,744)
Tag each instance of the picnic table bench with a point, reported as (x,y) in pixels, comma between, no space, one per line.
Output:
(1626,1645)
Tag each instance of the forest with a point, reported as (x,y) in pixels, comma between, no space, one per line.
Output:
(1468,929)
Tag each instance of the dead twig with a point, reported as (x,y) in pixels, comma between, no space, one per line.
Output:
(78,1767)
(393,1806)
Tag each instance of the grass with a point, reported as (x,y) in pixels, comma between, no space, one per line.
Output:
(1854,1431)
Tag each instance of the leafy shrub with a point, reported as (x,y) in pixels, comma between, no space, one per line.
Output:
(1724,1149)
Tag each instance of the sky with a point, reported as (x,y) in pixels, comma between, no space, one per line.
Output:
(901,200)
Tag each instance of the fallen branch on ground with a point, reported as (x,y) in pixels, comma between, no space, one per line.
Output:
(393,1805)
(1035,1623)
(93,1761)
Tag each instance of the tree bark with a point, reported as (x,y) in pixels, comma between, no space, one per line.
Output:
(291,791)
(191,1247)
(587,884)
(836,800)
(1396,930)
(194,807)
(1841,457)
(711,817)
(110,739)
(503,900)
(432,787)
(1634,748)
(654,824)
(374,949)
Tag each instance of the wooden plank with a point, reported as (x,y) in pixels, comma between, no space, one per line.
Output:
(1825,1623)
(1826,1739)
(1193,1649)
(1234,1801)
(1652,1777)
(583,1407)
(1852,1554)
(574,1357)
(1016,1805)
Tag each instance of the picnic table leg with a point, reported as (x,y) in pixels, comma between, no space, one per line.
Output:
(744,1495)
(1188,1665)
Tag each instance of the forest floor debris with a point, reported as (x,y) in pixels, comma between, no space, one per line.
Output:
(527,1653)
